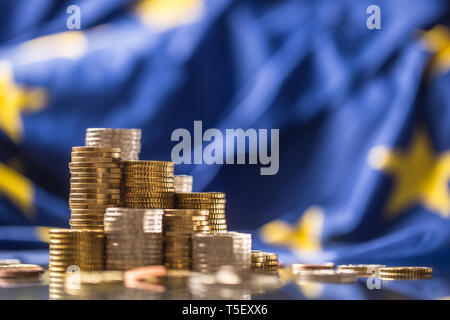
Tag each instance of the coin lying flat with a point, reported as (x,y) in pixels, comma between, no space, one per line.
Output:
(20,271)
(296,267)
(406,273)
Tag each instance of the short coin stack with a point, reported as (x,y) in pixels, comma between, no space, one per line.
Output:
(271,262)
(134,238)
(212,251)
(406,273)
(257,260)
(94,185)
(73,250)
(128,140)
(214,202)
(242,247)
(183,183)
(148,184)
(179,226)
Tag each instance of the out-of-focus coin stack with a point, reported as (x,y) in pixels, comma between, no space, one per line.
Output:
(363,270)
(214,202)
(406,273)
(179,226)
(271,262)
(299,267)
(148,184)
(183,183)
(134,238)
(212,251)
(257,260)
(71,251)
(242,247)
(128,140)
(327,276)
(94,185)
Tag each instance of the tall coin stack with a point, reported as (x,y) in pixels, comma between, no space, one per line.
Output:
(134,238)
(128,140)
(148,184)
(257,260)
(214,202)
(94,185)
(183,183)
(73,250)
(212,251)
(179,226)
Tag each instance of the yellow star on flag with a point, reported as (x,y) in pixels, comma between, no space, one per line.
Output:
(17,188)
(166,14)
(420,176)
(304,237)
(13,100)
(437,40)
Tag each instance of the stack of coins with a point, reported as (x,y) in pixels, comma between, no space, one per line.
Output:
(179,226)
(183,183)
(72,251)
(363,270)
(128,140)
(94,185)
(214,202)
(134,238)
(271,262)
(242,247)
(148,184)
(406,273)
(212,251)
(257,260)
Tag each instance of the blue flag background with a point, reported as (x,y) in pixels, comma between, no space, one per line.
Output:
(364,115)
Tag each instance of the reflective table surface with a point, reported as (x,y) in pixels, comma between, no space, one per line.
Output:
(283,286)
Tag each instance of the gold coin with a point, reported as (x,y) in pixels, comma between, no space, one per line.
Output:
(80,195)
(78,165)
(148,163)
(90,206)
(96,190)
(95,171)
(406,270)
(96,176)
(98,149)
(201,195)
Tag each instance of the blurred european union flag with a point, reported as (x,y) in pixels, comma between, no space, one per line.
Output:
(364,115)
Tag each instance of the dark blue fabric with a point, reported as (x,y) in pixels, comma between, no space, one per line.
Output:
(310,68)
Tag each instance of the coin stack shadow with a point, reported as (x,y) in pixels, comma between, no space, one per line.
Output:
(179,226)
(214,202)
(134,238)
(94,185)
(148,184)
(183,183)
(128,140)
(257,260)
(72,251)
